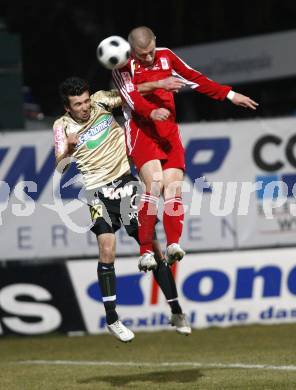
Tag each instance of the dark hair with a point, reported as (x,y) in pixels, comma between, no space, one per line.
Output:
(72,86)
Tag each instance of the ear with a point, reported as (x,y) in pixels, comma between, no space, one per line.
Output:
(67,109)
(133,53)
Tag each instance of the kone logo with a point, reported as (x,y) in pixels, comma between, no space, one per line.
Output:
(97,134)
(240,286)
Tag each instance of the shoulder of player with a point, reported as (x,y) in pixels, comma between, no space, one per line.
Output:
(99,95)
(64,122)
(163,51)
(60,122)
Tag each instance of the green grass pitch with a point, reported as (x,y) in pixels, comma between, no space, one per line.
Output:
(250,357)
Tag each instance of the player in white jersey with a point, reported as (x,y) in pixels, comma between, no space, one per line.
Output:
(89,133)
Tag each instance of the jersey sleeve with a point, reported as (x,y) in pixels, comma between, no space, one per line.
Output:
(110,99)
(123,81)
(197,80)
(60,138)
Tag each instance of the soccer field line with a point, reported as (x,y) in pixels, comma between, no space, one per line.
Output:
(153,364)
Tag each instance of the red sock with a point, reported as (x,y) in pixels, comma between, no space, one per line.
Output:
(147,219)
(173,217)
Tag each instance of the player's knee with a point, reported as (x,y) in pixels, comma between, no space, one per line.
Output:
(156,187)
(172,190)
(153,183)
(107,253)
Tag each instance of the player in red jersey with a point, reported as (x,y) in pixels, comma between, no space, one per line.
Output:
(147,84)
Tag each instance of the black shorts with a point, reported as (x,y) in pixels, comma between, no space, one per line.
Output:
(115,204)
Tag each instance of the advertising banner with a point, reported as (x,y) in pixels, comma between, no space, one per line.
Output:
(44,214)
(37,299)
(215,289)
(265,162)
(250,169)
(245,59)
(238,192)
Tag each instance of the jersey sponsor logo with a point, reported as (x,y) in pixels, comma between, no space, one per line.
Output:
(164,63)
(96,211)
(97,134)
(128,81)
(117,193)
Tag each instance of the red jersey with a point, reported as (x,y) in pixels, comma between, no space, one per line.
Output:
(166,64)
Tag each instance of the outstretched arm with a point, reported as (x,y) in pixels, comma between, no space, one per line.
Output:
(202,84)
(110,99)
(241,100)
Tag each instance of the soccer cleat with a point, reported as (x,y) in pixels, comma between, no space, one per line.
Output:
(181,324)
(174,253)
(120,331)
(147,262)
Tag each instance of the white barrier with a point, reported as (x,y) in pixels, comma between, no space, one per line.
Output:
(235,157)
(215,289)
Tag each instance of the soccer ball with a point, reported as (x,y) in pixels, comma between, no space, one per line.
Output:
(113,52)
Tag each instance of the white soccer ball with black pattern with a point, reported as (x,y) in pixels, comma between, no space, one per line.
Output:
(113,52)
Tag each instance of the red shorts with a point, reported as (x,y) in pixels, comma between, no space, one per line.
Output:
(146,142)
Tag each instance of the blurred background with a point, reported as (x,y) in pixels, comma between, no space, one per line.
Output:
(50,41)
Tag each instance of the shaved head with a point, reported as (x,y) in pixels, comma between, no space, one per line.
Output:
(141,37)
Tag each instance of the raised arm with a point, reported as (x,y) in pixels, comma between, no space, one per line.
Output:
(202,84)
(110,99)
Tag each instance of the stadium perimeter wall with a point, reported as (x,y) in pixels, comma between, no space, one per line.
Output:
(215,289)
(245,201)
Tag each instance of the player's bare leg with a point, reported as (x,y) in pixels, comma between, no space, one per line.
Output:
(173,215)
(107,284)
